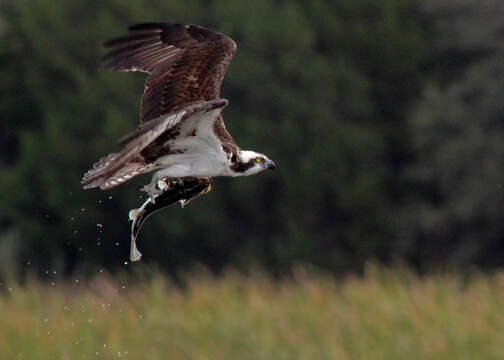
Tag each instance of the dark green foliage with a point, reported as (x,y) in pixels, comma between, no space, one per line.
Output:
(322,87)
(455,216)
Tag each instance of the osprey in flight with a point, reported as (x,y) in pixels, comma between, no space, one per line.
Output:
(181,132)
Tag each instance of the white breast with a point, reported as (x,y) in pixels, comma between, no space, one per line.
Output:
(203,155)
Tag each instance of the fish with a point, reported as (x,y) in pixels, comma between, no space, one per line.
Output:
(180,190)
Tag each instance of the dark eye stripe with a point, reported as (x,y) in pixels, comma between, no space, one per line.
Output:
(242,167)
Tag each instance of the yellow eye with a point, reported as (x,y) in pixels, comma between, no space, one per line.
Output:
(258,160)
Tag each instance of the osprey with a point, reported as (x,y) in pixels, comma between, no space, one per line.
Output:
(181,133)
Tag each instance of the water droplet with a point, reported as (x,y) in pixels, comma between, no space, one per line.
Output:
(110,197)
(140,316)
(76,231)
(117,244)
(28,263)
(46,320)
(104,345)
(99,225)
(125,263)
(83,209)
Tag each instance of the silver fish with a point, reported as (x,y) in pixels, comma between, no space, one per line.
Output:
(183,190)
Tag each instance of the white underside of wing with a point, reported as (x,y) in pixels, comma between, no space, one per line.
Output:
(201,154)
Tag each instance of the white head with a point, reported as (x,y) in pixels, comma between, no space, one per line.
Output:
(250,162)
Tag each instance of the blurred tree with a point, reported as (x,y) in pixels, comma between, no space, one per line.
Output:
(455,217)
(321,86)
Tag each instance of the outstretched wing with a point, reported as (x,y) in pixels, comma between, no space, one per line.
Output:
(186,63)
(146,145)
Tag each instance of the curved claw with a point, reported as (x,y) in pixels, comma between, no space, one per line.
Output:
(206,190)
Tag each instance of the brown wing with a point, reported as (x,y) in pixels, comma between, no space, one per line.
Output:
(142,149)
(186,63)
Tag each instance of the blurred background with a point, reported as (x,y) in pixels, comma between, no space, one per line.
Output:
(385,119)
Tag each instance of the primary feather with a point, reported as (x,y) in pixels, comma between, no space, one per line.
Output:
(182,131)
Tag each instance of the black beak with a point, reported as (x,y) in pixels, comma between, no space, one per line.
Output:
(270,164)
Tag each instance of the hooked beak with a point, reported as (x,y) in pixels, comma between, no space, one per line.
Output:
(270,164)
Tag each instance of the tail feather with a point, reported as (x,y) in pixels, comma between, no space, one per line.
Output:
(124,174)
(117,168)
(109,165)
(106,167)
(94,177)
(107,173)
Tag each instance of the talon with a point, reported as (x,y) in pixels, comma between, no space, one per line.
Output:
(206,190)
(209,187)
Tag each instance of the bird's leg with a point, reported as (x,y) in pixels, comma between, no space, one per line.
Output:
(209,187)
(206,190)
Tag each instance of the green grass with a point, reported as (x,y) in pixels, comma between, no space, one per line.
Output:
(384,315)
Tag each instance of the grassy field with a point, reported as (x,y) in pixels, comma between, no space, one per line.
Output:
(384,315)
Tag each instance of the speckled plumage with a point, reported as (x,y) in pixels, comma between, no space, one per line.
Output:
(186,63)
(182,131)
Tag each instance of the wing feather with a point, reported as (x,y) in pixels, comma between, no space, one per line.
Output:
(105,169)
(186,63)
(149,138)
